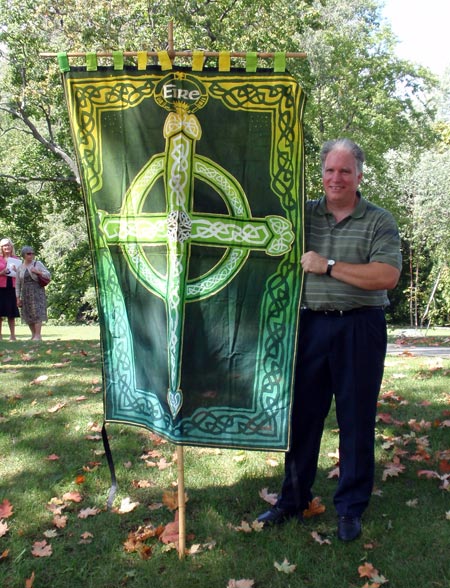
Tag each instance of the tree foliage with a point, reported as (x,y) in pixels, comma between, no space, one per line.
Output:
(356,87)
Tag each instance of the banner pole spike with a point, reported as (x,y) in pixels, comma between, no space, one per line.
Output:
(181,504)
(170,46)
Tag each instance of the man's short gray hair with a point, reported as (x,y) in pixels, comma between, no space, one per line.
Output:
(346,145)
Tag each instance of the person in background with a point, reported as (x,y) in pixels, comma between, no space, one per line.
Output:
(9,264)
(31,298)
(352,258)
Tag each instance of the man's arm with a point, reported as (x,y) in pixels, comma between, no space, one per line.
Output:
(367,276)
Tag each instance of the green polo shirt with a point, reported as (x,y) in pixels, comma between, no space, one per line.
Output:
(370,233)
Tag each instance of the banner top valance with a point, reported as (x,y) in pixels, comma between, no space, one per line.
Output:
(166,59)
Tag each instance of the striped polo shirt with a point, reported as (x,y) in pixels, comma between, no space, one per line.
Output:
(370,233)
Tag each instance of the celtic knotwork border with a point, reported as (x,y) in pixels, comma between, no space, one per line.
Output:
(87,101)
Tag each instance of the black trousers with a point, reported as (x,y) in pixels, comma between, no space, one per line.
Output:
(340,356)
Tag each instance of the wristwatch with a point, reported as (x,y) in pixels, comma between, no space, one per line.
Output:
(330,265)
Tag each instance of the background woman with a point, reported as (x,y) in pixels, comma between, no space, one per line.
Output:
(9,264)
(31,297)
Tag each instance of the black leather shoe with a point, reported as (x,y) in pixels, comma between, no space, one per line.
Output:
(349,528)
(277,515)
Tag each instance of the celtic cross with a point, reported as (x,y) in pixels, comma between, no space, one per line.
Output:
(180,227)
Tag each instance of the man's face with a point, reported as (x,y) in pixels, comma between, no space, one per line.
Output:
(340,177)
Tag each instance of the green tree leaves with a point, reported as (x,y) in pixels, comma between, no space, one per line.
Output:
(356,87)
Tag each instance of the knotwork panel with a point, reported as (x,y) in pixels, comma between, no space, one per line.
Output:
(193,184)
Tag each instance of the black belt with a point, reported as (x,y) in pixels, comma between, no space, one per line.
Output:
(334,312)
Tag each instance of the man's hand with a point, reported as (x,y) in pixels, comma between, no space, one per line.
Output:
(313,263)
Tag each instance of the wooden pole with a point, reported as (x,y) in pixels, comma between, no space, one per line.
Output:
(170,46)
(181,504)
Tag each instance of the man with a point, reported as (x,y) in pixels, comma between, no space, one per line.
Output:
(352,258)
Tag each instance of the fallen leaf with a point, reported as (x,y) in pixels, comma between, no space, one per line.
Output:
(170,499)
(29,581)
(3,528)
(257,526)
(86,538)
(268,497)
(367,570)
(412,503)
(200,547)
(314,508)
(39,379)
(171,532)
(334,454)
(41,549)
(377,580)
(127,506)
(156,439)
(164,464)
(334,473)
(57,407)
(384,417)
(244,527)
(388,445)
(59,521)
(6,509)
(142,484)
(55,508)
(80,479)
(393,468)
(94,426)
(315,535)
(285,567)
(91,466)
(428,474)
(240,583)
(51,533)
(4,554)
(145,551)
(72,496)
(419,426)
(53,457)
(154,453)
(88,512)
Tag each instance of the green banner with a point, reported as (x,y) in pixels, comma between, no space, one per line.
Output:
(193,183)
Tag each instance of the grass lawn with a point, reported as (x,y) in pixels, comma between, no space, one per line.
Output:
(56,532)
